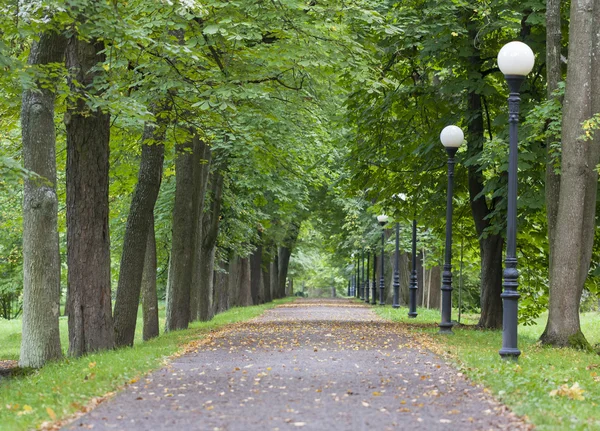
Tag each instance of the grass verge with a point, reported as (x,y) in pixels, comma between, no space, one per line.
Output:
(65,387)
(527,386)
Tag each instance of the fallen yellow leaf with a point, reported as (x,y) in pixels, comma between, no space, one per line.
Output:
(51,413)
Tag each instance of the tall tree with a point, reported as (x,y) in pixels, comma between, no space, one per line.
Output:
(41,260)
(183,239)
(88,241)
(139,222)
(575,218)
(149,293)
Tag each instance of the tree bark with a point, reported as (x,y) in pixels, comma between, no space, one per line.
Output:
(491,260)
(149,294)
(202,164)
(41,258)
(222,288)
(553,77)
(136,234)
(275,291)
(180,264)
(575,219)
(491,253)
(244,280)
(234,284)
(210,233)
(88,242)
(284,255)
(255,274)
(266,277)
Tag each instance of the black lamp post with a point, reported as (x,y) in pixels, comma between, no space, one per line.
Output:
(395,302)
(367,285)
(374,283)
(412,289)
(382,219)
(357,275)
(515,60)
(451,137)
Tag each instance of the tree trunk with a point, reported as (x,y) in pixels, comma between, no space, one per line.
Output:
(491,253)
(234,282)
(575,219)
(553,77)
(210,233)
(41,258)
(421,300)
(222,288)
(266,279)
(284,254)
(88,242)
(180,264)
(255,271)
(434,280)
(244,280)
(136,234)
(491,260)
(202,164)
(149,294)
(275,276)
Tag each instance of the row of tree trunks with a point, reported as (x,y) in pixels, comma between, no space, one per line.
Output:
(88,243)
(139,221)
(41,258)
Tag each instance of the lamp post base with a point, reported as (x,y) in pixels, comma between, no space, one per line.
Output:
(412,315)
(445,329)
(395,306)
(510,354)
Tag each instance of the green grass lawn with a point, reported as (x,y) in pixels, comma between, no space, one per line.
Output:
(64,387)
(10,333)
(525,386)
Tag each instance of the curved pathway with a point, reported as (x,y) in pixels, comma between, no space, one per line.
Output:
(311,365)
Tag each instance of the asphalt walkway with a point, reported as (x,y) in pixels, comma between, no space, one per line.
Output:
(310,365)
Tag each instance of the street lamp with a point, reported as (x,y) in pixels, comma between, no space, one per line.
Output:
(396,284)
(382,219)
(412,288)
(452,137)
(515,60)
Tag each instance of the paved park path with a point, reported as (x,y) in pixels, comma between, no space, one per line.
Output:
(308,365)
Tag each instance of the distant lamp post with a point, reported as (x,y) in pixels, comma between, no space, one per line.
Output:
(412,288)
(452,137)
(382,219)
(515,60)
(396,284)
